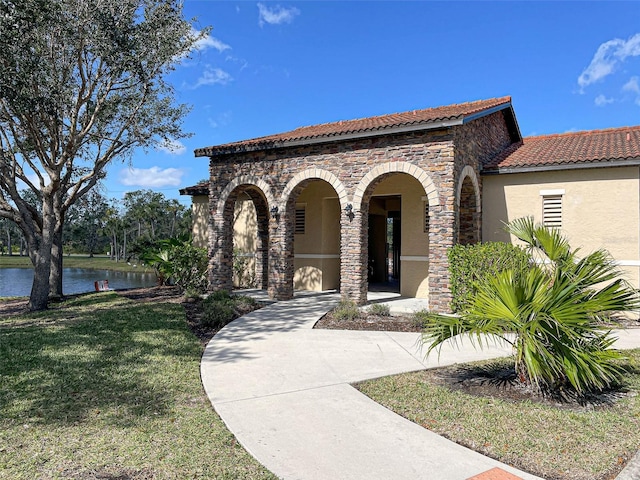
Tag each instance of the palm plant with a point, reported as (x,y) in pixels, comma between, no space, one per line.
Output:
(555,314)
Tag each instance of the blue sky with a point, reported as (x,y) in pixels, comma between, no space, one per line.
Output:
(268,67)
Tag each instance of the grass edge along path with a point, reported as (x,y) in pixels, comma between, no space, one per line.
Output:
(103,387)
(583,443)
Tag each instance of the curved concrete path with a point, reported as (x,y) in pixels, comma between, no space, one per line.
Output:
(283,389)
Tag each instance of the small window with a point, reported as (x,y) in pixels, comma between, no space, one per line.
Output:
(552,208)
(301,217)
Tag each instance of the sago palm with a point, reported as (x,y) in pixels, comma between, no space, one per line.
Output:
(554,314)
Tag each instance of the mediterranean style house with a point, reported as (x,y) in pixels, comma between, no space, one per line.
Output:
(377,202)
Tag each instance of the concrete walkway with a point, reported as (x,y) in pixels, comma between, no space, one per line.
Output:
(283,389)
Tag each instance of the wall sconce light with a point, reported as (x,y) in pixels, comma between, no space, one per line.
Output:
(349,211)
(274,212)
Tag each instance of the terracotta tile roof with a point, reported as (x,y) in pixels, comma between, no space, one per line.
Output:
(430,117)
(569,149)
(202,188)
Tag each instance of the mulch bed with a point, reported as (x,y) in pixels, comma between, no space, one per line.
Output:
(366,321)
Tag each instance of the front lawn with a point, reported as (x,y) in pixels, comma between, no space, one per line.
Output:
(553,441)
(102,387)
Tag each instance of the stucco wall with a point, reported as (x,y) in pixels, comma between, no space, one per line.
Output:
(245,243)
(199,225)
(317,251)
(600,208)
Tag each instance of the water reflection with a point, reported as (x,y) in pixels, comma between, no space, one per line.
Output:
(16,282)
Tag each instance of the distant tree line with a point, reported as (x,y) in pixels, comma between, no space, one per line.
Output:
(122,228)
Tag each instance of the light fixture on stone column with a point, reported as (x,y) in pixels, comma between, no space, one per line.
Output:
(349,211)
(274,212)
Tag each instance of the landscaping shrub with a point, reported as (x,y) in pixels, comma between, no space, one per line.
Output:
(420,318)
(380,310)
(220,308)
(346,310)
(217,310)
(471,265)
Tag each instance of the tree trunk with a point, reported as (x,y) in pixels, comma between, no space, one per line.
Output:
(40,254)
(55,275)
(9,246)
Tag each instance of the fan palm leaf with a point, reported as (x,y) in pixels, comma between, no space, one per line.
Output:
(553,314)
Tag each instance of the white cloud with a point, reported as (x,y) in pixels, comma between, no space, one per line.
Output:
(607,59)
(211,42)
(276,15)
(601,100)
(153,177)
(632,86)
(213,76)
(172,147)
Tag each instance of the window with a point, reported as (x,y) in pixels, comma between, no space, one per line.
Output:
(552,208)
(301,216)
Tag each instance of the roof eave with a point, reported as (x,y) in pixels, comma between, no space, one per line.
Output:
(626,162)
(214,151)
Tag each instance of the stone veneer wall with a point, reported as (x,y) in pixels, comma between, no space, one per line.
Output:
(436,158)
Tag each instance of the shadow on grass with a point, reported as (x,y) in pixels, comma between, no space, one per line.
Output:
(99,355)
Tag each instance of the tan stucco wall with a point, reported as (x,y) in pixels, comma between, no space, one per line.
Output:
(414,253)
(317,251)
(245,241)
(199,220)
(600,208)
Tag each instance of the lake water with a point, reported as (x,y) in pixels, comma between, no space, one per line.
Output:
(16,282)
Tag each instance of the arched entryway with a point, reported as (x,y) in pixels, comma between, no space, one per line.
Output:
(468,211)
(250,239)
(240,237)
(313,209)
(398,235)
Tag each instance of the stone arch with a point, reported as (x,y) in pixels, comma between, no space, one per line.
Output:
(258,182)
(397,167)
(469,172)
(221,268)
(320,174)
(468,207)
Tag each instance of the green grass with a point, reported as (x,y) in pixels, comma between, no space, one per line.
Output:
(551,442)
(76,261)
(102,387)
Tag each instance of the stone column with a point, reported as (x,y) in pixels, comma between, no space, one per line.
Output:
(221,251)
(353,256)
(441,238)
(280,258)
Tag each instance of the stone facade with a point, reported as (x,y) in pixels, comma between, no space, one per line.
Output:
(445,160)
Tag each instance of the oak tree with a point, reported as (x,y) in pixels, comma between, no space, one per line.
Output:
(82,83)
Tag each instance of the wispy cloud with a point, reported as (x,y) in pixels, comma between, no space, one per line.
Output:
(632,86)
(602,100)
(213,76)
(276,15)
(220,120)
(173,147)
(211,42)
(608,58)
(153,177)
